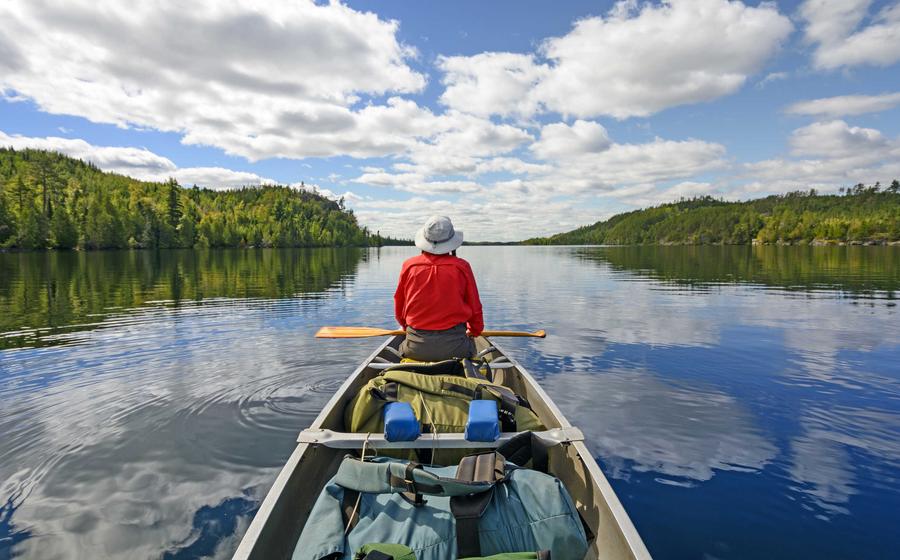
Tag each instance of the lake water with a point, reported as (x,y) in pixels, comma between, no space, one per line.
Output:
(744,402)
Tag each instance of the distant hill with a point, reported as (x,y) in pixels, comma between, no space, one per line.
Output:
(48,200)
(861,214)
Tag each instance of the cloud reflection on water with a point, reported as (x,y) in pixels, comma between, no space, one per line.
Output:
(127,437)
(187,407)
(822,457)
(635,420)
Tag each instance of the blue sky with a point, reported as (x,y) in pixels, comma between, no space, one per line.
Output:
(514,118)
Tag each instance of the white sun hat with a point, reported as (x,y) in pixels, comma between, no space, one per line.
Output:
(438,236)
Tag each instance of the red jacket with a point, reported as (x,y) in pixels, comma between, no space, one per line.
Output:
(437,292)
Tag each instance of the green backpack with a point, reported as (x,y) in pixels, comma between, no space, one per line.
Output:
(383,551)
(440,400)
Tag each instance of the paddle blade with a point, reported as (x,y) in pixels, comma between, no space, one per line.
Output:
(354,332)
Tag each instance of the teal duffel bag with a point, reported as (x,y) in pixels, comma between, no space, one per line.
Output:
(485,506)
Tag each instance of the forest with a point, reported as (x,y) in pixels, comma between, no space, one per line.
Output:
(51,201)
(858,215)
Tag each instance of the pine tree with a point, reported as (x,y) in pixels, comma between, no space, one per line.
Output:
(174,205)
(63,233)
(7,220)
(32,230)
(187,227)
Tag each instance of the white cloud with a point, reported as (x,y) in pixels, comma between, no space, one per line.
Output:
(416,183)
(828,19)
(834,27)
(139,163)
(216,177)
(561,141)
(638,60)
(491,83)
(258,83)
(678,52)
(630,164)
(494,214)
(348,196)
(127,161)
(583,169)
(549,197)
(772,77)
(836,139)
(577,166)
(845,105)
(648,195)
(827,155)
(458,143)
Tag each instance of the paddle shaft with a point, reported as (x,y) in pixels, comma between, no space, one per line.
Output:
(364,332)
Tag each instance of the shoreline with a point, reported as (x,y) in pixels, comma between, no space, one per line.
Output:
(754,243)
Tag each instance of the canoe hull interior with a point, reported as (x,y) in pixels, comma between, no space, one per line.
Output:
(282,515)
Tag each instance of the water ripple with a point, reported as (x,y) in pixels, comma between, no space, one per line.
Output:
(146,408)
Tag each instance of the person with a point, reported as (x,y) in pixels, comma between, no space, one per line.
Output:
(437,301)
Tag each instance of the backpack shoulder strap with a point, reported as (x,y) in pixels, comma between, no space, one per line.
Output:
(527,447)
(467,510)
(386,477)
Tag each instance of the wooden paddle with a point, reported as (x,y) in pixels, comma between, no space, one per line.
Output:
(363,332)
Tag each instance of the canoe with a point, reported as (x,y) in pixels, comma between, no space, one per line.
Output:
(276,527)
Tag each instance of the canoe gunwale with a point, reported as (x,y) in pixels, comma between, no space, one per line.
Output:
(348,440)
(262,527)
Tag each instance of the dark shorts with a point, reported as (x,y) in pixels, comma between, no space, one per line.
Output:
(434,346)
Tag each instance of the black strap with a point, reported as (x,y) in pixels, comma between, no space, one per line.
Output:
(349,508)
(506,410)
(458,389)
(527,447)
(467,511)
(472,372)
(387,392)
(412,493)
(508,401)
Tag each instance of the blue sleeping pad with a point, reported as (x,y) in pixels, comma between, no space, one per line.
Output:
(483,423)
(400,423)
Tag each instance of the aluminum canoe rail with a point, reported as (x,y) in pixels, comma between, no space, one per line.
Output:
(346,440)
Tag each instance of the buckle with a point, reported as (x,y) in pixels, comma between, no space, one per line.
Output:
(410,485)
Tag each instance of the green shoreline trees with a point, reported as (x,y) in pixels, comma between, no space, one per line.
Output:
(51,201)
(861,214)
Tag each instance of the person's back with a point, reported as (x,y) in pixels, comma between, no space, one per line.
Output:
(437,298)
